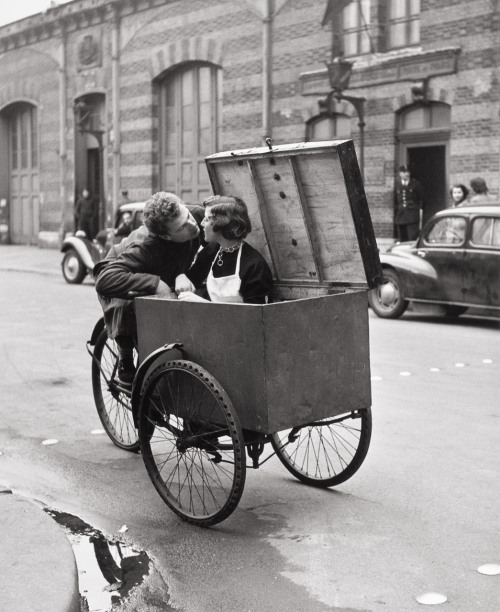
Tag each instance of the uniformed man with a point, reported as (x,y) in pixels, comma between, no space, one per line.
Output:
(409,202)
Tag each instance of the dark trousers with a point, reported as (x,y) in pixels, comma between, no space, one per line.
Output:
(407,231)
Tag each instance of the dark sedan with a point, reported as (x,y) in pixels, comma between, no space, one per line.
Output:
(455,263)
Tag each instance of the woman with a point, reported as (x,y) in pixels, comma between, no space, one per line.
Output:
(458,194)
(234,271)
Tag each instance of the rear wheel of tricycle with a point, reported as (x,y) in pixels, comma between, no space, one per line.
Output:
(191,442)
(112,402)
(327,452)
(73,269)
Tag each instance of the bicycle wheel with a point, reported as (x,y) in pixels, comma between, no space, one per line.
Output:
(327,452)
(113,404)
(191,442)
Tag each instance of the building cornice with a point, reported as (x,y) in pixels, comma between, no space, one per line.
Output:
(412,64)
(66,18)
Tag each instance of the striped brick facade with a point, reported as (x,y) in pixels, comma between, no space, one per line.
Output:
(141,40)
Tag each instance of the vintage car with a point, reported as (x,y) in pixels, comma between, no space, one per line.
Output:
(81,253)
(455,263)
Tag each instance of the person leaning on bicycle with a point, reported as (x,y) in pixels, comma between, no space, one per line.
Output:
(146,262)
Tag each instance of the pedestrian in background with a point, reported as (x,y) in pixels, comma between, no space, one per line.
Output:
(85,213)
(459,195)
(409,196)
(479,191)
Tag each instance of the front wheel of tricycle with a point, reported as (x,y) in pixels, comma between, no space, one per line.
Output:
(191,442)
(112,402)
(327,452)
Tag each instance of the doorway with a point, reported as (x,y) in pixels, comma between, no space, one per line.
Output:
(428,165)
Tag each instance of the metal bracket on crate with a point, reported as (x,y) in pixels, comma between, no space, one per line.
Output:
(254,452)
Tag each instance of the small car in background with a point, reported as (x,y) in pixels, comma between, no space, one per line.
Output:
(455,263)
(81,254)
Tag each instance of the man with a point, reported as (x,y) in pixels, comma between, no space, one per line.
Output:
(147,262)
(85,213)
(479,191)
(409,201)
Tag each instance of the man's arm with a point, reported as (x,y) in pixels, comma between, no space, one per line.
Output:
(125,274)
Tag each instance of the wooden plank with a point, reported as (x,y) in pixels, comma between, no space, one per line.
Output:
(361,214)
(307,219)
(265,219)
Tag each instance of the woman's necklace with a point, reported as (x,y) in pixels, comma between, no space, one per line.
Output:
(229,249)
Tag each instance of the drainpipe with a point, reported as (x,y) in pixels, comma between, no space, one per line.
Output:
(267,33)
(63,151)
(115,83)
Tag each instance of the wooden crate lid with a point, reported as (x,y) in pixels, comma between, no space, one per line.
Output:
(308,209)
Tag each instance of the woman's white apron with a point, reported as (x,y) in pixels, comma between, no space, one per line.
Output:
(225,288)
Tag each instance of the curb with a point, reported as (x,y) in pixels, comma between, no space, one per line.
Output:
(39,570)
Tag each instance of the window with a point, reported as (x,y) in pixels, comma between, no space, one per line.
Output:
(356,28)
(190,111)
(446,230)
(403,23)
(329,127)
(486,231)
(426,117)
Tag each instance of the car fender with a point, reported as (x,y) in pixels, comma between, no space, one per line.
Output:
(140,375)
(82,249)
(410,268)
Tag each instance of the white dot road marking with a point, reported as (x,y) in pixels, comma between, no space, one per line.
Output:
(489,569)
(405,373)
(435,370)
(376,377)
(97,431)
(49,442)
(487,360)
(431,599)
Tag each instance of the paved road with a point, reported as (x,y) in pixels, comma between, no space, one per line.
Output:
(420,515)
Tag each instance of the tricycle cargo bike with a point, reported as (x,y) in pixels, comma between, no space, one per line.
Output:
(217,382)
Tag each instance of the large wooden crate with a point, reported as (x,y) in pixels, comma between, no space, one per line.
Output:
(282,364)
(306,355)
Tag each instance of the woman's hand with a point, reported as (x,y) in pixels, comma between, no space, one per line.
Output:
(183,284)
(164,291)
(189,296)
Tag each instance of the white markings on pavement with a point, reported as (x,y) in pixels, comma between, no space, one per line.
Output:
(96,432)
(435,370)
(50,441)
(405,373)
(487,360)
(460,365)
(376,377)
(489,569)
(431,599)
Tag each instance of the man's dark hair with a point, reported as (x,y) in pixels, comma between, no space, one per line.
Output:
(478,185)
(159,210)
(231,216)
(404,169)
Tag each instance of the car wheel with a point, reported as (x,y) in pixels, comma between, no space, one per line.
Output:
(454,311)
(387,301)
(72,267)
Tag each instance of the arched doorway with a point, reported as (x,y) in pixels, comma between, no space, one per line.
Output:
(423,134)
(190,124)
(90,127)
(21,123)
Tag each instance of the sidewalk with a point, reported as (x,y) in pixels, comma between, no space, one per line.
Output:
(38,566)
(19,258)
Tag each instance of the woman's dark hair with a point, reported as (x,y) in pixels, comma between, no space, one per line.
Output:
(464,189)
(230,216)
(478,185)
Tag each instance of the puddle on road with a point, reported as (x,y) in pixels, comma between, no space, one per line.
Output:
(107,569)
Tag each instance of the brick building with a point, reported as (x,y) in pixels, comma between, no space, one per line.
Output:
(126,97)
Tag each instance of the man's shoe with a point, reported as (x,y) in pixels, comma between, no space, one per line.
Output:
(126,371)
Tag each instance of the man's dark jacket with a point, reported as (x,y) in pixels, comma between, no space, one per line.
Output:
(134,268)
(409,201)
